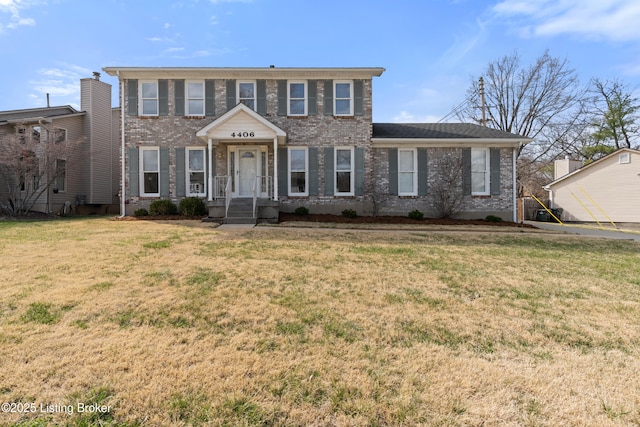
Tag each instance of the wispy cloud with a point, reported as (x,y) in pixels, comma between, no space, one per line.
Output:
(62,83)
(464,43)
(615,20)
(14,9)
(406,117)
(230,1)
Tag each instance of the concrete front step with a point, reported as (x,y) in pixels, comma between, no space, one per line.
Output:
(240,220)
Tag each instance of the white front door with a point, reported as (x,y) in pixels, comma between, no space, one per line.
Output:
(247,170)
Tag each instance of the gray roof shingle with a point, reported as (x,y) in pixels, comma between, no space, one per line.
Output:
(33,113)
(439,131)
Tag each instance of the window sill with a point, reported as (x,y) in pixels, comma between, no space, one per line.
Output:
(481,196)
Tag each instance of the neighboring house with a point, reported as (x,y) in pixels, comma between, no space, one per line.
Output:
(256,141)
(91,178)
(605,190)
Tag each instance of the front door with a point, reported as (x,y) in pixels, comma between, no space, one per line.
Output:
(247,171)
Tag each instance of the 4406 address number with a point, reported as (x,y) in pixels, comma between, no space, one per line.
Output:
(249,134)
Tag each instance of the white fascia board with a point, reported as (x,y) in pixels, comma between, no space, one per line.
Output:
(444,142)
(242,73)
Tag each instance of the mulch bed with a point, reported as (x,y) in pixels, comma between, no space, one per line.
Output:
(284,217)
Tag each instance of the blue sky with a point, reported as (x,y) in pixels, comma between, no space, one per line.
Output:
(430,48)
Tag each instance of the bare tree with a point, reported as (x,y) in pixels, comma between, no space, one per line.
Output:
(31,161)
(543,101)
(447,193)
(616,113)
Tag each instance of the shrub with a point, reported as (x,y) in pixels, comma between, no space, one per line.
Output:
(349,213)
(192,206)
(492,218)
(416,214)
(141,212)
(163,207)
(301,211)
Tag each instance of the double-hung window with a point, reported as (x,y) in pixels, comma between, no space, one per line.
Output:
(297,98)
(343,98)
(195,172)
(195,98)
(150,171)
(298,172)
(480,171)
(344,171)
(149,98)
(407,172)
(61,175)
(246,91)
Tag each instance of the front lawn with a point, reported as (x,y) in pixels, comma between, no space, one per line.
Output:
(178,323)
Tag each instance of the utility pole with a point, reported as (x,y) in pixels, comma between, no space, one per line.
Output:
(481,86)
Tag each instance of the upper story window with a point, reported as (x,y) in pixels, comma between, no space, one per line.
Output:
(60,135)
(624,158)
(149,98)
(195,98)
(297,103)
(246,91)
(480,171)
(343,99)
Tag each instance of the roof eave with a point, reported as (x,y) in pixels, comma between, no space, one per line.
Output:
(448,142)
(245,72)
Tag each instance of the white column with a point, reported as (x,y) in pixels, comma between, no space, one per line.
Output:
(275,168)
(211,159)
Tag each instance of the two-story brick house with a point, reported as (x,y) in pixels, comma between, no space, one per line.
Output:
(272,139)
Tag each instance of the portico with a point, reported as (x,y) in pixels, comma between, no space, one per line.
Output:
(246,145)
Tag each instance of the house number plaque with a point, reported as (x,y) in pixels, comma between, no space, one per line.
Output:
(245,134)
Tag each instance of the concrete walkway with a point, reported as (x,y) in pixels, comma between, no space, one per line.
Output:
(588,230)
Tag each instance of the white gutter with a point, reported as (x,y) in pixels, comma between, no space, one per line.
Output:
(122,171)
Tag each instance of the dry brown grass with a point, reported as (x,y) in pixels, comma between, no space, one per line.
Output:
(182,324)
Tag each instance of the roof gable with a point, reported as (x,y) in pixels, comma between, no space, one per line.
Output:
(591,165)
(241,118)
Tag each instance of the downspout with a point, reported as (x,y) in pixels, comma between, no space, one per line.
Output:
(122,171)
(515,187)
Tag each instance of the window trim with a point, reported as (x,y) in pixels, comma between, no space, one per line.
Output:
(624,158)
(255,94)
(142,99)
(57,138)
(305,98)
(187,98)
(291,192)
(142,171)
(487,172)
(351,191)
(336,99)
(187,170)
(414,172)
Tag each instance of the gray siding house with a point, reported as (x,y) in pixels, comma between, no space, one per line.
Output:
(89,179)
(267,140)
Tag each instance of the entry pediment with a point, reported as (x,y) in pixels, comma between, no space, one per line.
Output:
(243,124)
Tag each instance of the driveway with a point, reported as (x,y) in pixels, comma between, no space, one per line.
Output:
(588,230)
